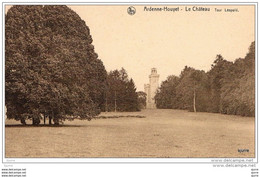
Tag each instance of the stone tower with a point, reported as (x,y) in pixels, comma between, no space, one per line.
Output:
(151,88)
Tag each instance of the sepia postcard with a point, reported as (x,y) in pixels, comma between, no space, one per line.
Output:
(170,82)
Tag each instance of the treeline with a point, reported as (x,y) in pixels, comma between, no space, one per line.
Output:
(228,88)
(121,92)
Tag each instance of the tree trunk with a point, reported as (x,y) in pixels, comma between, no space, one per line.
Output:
(115,101)
(55,119)
(194,101)
(44,118)
(23,121)
(36,120)
(50,119)
(106,103)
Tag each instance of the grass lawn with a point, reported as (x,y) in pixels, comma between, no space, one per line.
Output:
(163,133)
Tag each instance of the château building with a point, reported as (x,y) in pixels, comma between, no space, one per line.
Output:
(151,88)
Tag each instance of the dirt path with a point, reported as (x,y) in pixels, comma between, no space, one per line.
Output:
(163,133)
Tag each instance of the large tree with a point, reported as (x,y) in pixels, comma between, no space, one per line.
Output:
(50,65)
(166,96)
(121,92)
(192,90)
(141,99)
(238,90)
(219,69)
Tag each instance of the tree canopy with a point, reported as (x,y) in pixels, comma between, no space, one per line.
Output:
(51,67)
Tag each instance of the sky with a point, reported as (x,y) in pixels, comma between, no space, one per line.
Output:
(167,40)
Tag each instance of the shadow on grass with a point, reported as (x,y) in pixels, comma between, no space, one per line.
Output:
(30,126)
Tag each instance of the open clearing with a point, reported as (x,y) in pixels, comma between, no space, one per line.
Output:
(163,133)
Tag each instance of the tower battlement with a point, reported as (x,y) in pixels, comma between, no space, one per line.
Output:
(154,71)
(146,85)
